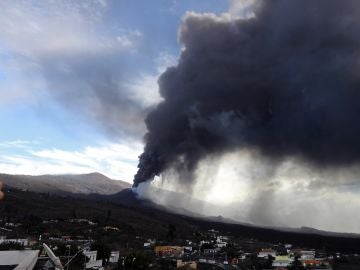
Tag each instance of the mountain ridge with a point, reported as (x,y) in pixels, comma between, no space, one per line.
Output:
(65,183)
(96,186)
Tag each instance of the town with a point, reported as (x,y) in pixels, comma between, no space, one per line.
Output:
(48,231)
(209,249)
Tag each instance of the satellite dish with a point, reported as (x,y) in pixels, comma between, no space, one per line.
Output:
(53,258)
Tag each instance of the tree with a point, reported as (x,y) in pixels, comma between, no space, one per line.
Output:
(231,251)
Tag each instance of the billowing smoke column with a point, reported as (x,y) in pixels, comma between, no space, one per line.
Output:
(285,82)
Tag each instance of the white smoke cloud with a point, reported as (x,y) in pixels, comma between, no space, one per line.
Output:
(246,187)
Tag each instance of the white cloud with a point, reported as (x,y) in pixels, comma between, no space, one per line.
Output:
(32,31)
(118,161)
(242,8)
(165,60)
(71,53)
(124,41)
(31,28)
(144,89)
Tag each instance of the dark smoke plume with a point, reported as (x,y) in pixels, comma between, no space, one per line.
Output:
(285,82)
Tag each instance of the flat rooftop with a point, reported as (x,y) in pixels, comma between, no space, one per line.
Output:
(18,259)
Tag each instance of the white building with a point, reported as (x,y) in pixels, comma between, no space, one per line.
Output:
(114,256)
(188,248)
(307,254)
(150,242)
(92,263)
(202,242)
(282,261)
(21,241)
(19,259)
(266,252)
(221,241)
(222,238)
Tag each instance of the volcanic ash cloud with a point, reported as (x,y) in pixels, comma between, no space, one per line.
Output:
(283,83)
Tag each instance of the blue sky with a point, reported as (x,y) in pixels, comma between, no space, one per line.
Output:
(77,78)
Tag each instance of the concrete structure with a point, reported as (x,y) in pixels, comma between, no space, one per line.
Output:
(92,263)
(18,259)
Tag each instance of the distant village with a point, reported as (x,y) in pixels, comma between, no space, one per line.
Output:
(210,249)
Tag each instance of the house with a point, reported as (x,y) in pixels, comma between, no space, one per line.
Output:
(114,256)
(11,224)
(187,265)
(18,259)
(169,251)
(149,242)
(209,251)
(222,238)
(111,228)
(188,249)
(221,244)
(282,261)
(266,252)
(221,241)
(93,263)
(203,242)
(307,254)
(66,238)
(314,263)
(295,252)
(22,241)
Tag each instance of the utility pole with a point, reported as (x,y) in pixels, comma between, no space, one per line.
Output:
(68,257)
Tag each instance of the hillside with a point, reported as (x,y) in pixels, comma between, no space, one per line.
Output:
(67,183)
(140,220)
